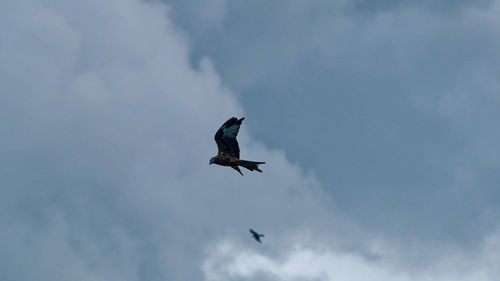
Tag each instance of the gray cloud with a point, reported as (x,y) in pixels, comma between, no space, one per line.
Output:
(398,99)
(106,136)
(106,131)
(440,6)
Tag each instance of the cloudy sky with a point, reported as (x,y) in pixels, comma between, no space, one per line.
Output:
(378,122)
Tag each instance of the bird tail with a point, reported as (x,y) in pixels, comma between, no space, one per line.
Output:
(250,165)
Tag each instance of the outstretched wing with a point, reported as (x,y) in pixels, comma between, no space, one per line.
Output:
(226,137)
(253,232)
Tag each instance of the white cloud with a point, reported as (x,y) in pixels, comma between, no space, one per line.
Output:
(228,260)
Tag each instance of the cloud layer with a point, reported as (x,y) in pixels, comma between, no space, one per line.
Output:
(392,103)
(106,136)
(106,131)
(230,261)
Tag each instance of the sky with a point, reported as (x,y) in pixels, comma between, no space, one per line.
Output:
(377,121)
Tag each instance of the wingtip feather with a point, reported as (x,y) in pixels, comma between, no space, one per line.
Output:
(257,167)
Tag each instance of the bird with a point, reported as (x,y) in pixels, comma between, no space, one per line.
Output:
(256,235)
(229,151)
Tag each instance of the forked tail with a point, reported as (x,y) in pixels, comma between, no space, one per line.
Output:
(250,165)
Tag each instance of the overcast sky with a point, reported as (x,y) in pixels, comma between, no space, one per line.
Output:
(378,123)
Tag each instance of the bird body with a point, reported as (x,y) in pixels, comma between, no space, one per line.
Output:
(256,235)
(228,149)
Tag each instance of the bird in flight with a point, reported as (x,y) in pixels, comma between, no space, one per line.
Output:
(229,151)
(256,235)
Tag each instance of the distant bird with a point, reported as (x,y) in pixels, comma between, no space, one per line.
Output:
(256,235)
(229,151)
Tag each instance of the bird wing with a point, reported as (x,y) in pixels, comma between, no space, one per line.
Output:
(253,232)
(225,137)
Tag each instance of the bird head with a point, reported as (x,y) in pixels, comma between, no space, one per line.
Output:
(212,160)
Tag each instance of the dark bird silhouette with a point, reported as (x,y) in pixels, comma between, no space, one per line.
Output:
(256,235)
(229,151)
